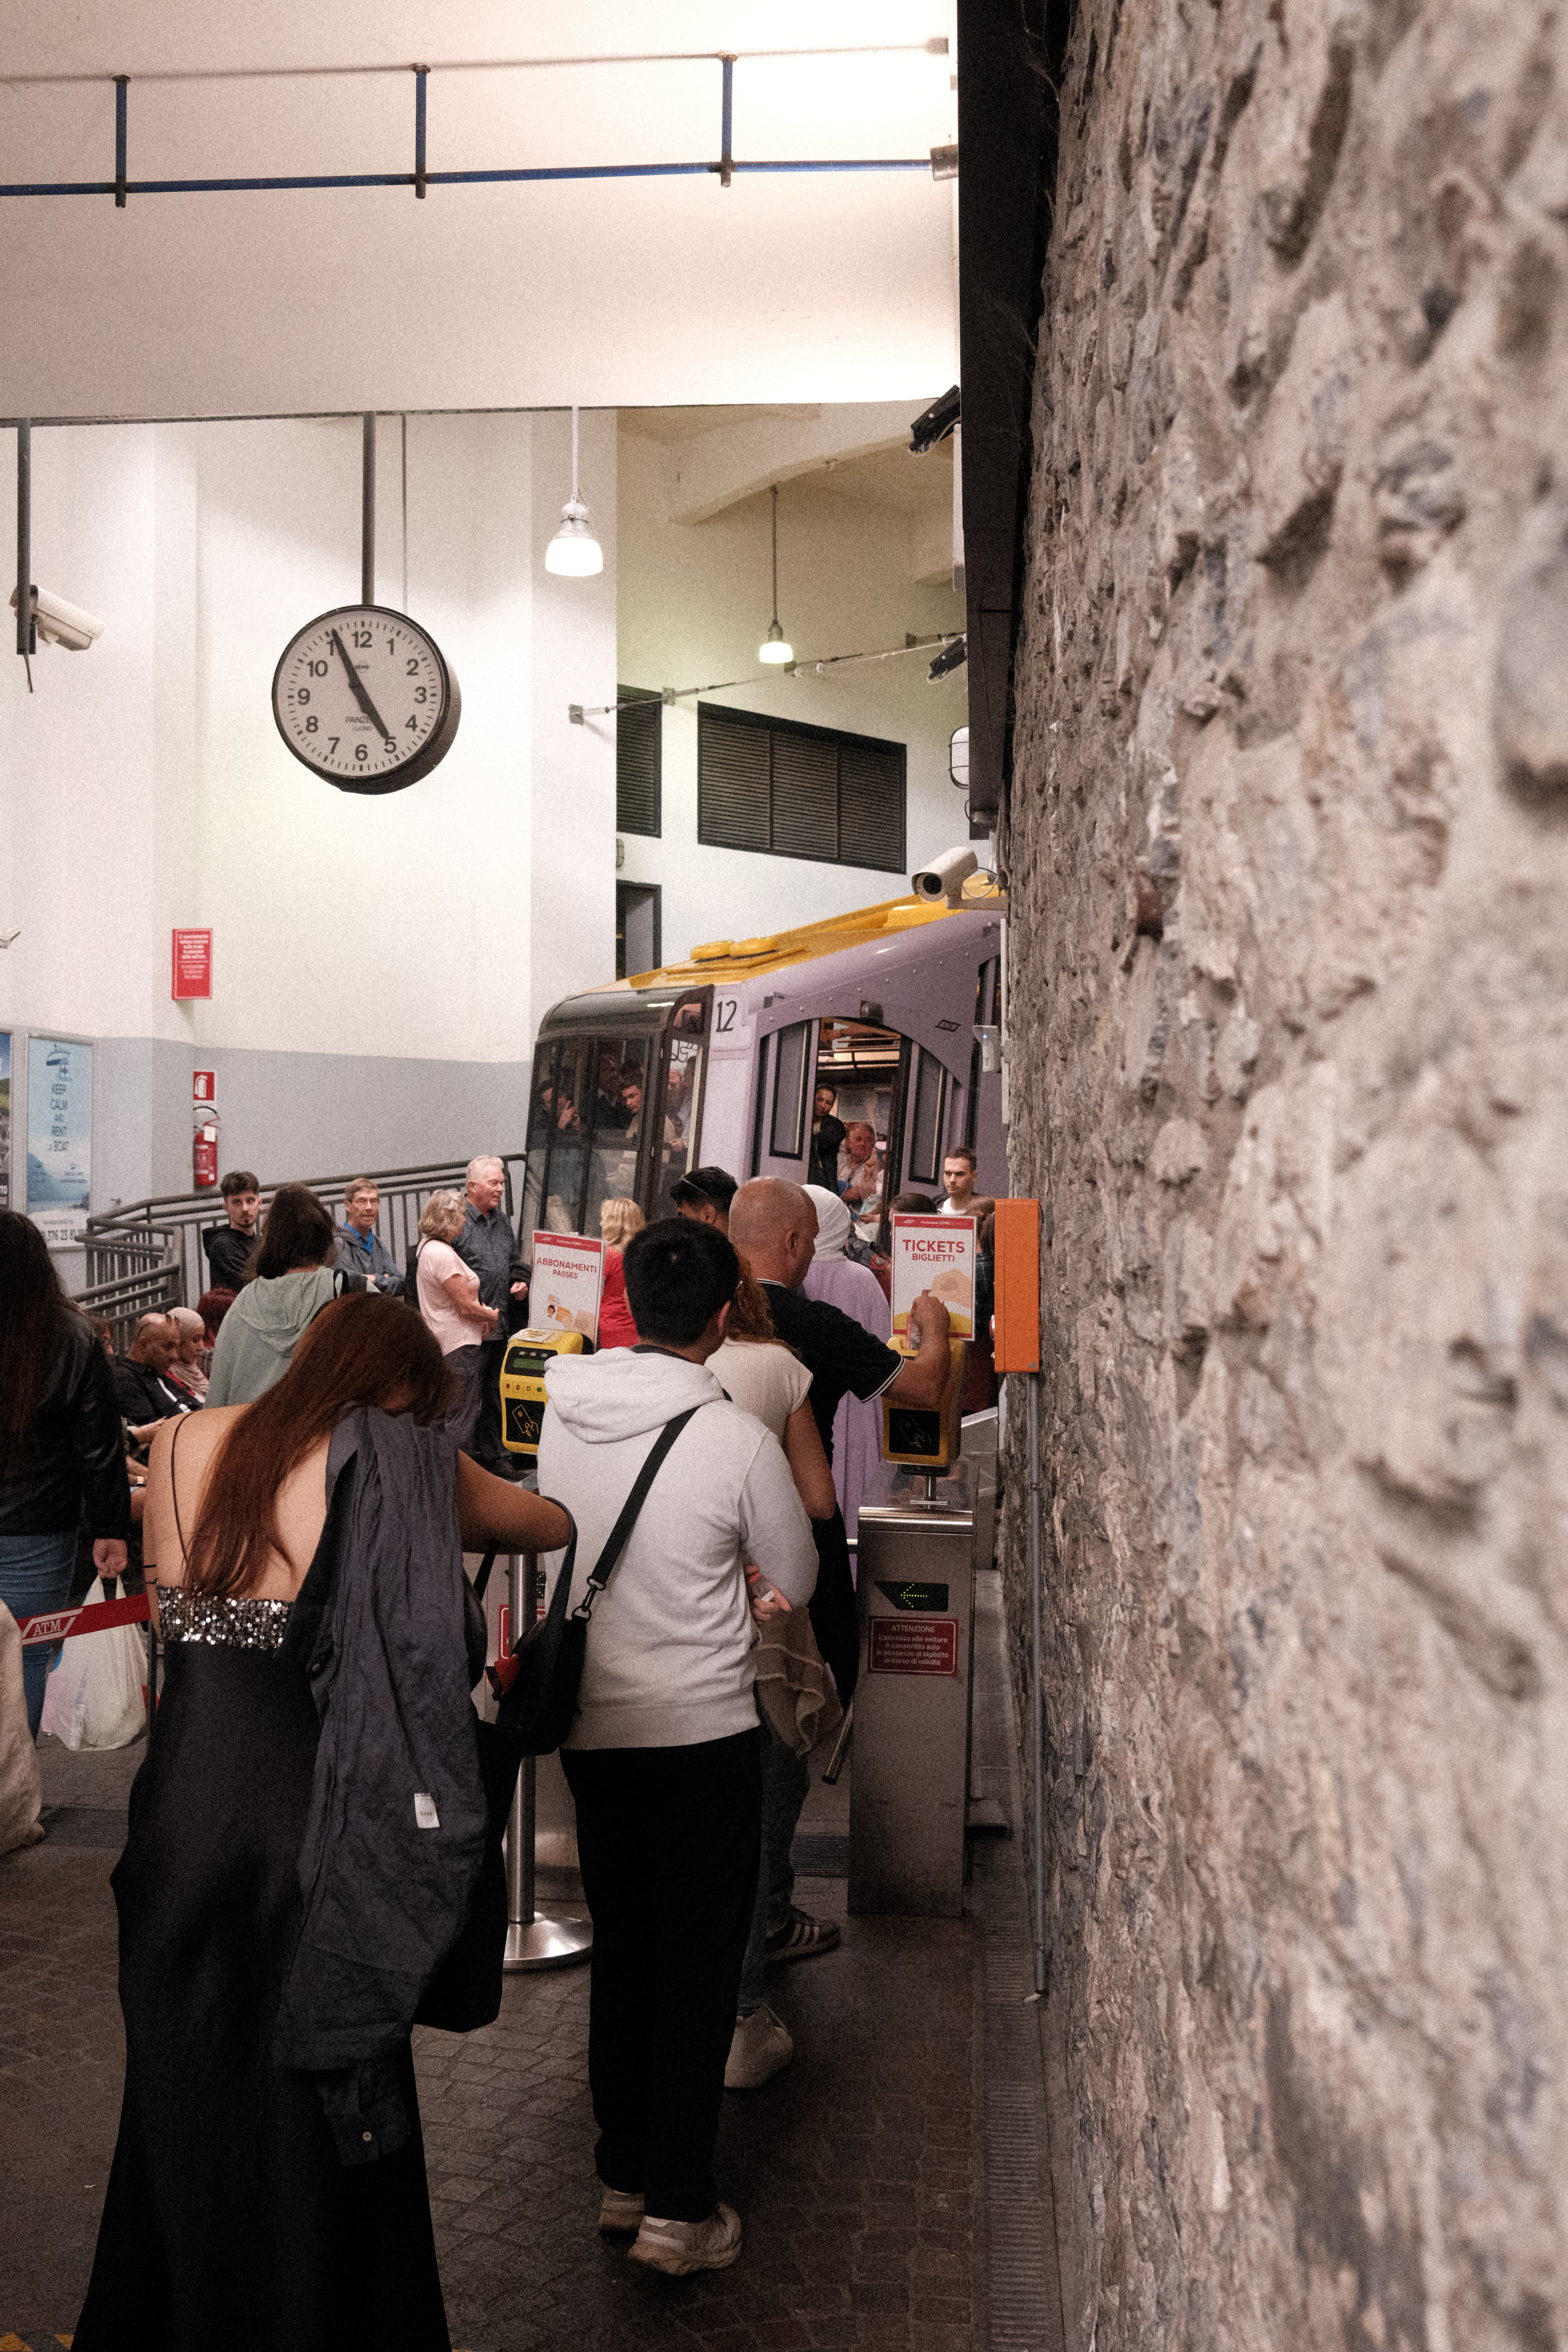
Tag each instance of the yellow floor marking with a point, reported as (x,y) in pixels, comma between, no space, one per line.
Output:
(13,2344)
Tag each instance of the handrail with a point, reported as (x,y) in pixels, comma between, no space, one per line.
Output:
(157,1242)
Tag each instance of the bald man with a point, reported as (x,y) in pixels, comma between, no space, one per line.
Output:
(774,1225)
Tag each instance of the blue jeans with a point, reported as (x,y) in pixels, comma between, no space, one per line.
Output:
(35,1574)
(786,1780)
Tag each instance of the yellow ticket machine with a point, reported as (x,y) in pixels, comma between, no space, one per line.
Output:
(924,1437)
(527,1358)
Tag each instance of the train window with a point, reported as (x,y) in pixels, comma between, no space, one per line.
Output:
(926,1125)
(639,750)
(620,1089)
(763,1059)
(787,1135)
(682,1098)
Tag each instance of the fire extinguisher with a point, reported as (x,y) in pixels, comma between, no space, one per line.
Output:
(204,1146)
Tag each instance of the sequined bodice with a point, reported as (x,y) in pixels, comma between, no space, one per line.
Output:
(226,1624)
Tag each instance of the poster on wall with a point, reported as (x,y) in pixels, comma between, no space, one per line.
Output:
(59,1137)
(563,1285)
(4,1118)
(934,1253)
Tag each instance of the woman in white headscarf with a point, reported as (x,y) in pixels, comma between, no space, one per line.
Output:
(859,1474)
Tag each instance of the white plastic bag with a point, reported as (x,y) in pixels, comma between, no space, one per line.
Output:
(96,1695)
(21,1796)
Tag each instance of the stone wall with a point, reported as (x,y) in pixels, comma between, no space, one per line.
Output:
(1288,1025)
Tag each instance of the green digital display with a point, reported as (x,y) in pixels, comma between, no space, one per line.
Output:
(922,1600)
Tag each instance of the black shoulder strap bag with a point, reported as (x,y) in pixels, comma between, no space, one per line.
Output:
(539,1697)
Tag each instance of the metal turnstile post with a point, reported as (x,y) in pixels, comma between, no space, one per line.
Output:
(909,1788)
(531,1942)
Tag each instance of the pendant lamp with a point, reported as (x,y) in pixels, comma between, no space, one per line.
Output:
(575,552)
(776,646)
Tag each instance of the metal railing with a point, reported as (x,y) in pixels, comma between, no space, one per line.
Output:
(147,1256)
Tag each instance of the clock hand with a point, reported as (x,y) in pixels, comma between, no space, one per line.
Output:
(360,693)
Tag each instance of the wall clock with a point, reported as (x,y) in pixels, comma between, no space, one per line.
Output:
(364,697)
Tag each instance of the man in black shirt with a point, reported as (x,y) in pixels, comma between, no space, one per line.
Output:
(487,1243)
(826,1136)
(774,1225)
(229,1247)
(142,1394)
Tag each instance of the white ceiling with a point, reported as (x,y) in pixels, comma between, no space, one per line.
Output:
(785,290)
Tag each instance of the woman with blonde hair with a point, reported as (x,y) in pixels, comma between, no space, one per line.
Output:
(448,1295)
(619,1219)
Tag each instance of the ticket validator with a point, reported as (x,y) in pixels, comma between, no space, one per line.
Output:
(527,1358)
(925,1437)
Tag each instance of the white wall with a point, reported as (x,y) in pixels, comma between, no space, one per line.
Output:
(391,940)
(783,287)
(694,601)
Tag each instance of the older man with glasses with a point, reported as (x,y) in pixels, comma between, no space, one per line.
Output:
(359,1248)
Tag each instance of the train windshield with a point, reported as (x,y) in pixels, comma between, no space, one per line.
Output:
(587,1130)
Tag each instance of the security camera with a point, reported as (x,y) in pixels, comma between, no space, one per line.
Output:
(945,875)
(59,624)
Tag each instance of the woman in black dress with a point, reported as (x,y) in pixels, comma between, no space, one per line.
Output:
(230,2219)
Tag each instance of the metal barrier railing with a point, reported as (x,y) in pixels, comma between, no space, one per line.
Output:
(147,1256)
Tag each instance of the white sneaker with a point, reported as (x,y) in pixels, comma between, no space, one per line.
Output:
(762,2045)
(681,2247)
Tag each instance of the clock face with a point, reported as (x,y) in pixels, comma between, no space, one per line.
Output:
(365,699)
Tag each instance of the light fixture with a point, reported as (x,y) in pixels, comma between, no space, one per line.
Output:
(575,552)
(958,758)
(776,646)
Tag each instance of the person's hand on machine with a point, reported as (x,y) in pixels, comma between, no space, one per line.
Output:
(924,1376)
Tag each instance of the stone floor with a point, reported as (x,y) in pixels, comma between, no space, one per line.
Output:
(861,2172)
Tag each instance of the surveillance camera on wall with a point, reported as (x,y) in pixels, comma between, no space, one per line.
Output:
(945,876)
(59,624)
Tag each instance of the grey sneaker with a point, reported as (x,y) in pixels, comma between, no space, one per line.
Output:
(681,2247)
(798,1937)
(621,2209)
(761,2046)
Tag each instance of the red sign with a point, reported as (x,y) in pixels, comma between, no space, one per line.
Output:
(59,1624)
(204,1085)
(193,963)
(914,1645)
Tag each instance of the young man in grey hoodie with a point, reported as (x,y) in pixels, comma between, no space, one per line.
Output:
(662,1759)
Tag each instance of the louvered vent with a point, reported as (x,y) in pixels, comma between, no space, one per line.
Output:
(732,767)
(792,791)
(639,741)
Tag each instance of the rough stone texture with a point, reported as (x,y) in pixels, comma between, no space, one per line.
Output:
(1289,849)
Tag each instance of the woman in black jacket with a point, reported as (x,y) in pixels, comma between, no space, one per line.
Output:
(62,1450)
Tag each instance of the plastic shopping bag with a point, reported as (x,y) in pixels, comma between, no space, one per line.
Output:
(96,1695)
(21,1795)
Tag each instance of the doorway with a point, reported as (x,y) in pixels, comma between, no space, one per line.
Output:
(638,924)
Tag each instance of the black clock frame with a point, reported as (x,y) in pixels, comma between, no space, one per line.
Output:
(437,744)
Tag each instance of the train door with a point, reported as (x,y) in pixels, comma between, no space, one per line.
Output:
(682,1066)
(781,1121)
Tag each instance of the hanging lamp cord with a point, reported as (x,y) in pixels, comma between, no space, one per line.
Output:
(776,622)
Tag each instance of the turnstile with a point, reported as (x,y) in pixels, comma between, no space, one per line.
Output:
(909,1783)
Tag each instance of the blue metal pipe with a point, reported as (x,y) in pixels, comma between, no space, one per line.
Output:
(727,118)
(421,78)
(442,179)
(121,83)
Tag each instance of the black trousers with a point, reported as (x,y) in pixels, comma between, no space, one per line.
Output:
(834,1618)
(485,1444)
(668,1841)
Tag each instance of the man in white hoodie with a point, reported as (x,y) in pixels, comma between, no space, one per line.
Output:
(662,1759)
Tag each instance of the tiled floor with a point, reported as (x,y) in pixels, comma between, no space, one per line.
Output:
(860,2171)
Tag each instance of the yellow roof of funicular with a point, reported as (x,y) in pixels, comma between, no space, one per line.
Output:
(731,960)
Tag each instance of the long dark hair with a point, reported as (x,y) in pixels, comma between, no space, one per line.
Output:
(299,1232)
(33,1319)
(363,1350)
